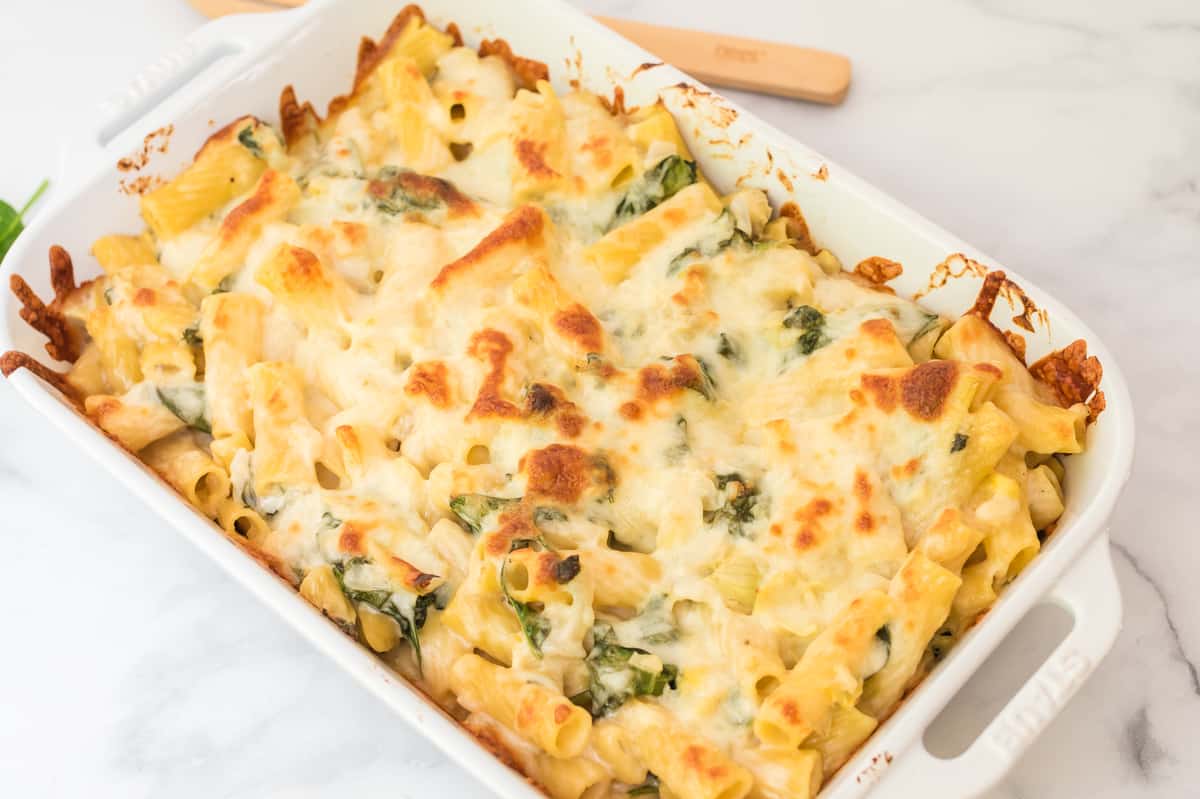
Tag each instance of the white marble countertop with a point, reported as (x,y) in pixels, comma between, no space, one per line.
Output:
(1063,138)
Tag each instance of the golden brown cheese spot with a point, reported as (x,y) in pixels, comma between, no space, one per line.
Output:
(789,711)
(696,758)
(549,401)
(810,522)
(880,329)
(319,237)
(865,522)
(524,225)
(907,470)
(599,147)
(427,190)
(526,713)
(101,410)
(547,569)
(144,298)
(570,424)
(862,486)
(911,587)
(429,380)
(657,381)
(302,271)
(631,411)
(578,325)
(991,370)
(675,217)
(350,540)
(806,538)
(265,194)
(925,388)
(279,402)
(561,713)
(347,437)
(352,235)
(560,472)
(407,573)
(542,399)
(492,347)
(532,156)
(878,270)
(883,391)
(694,286)
(514,524)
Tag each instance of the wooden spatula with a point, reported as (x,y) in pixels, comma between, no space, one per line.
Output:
(739,63)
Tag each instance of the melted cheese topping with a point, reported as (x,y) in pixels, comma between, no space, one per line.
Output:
(518,382)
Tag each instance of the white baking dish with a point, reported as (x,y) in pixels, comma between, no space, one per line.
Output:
(238,65)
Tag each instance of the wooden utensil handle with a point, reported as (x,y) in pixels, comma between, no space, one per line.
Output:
(740,63)
(733,61)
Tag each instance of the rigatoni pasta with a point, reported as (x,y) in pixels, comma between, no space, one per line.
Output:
(629,476)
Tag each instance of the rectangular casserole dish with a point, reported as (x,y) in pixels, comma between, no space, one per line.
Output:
(238,65)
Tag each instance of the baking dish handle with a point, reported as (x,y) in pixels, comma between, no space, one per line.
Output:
(1089,592)
(165,87)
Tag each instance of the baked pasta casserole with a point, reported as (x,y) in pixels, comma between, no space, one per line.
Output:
(628,475)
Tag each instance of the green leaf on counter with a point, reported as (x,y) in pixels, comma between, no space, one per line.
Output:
(12,221)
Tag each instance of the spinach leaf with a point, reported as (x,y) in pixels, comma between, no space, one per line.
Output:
(659,183)
(12,221)
(959,443)
(544,514)
(740,500)
(617,544)
(187,403)
(941,642)
(726,234)
(567,569)
(534,625)
(932,322)
(881,651)
(722,235)
(396,191)
(676,452)
(811,324)
(705,386)
(191,336)
(474,509)
(246,139)
(656,622)
(728,349)
(410,618)
(615,679)
(649,786)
